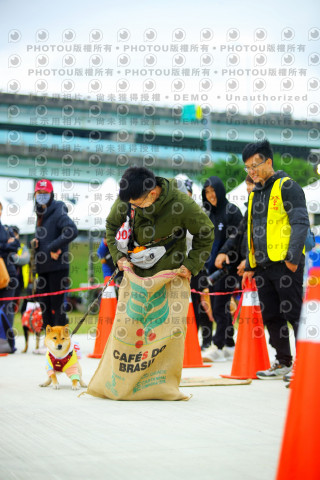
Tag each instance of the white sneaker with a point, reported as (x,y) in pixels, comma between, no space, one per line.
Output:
(229,352)
(205,353)
(276,371)
(215,355)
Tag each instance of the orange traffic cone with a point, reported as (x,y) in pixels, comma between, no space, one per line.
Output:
(299,457)
(251,352)
(107,313)
(192,351)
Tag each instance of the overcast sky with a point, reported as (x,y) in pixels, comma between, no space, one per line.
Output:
(223,51)
(244,56)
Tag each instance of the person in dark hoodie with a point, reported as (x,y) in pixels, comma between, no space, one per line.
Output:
(54,231)
(277,228)
(8,247)
(225,217)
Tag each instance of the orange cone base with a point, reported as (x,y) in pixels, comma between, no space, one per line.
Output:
(251,354)
(192,351)
(299,456)
(108,307)
(197,366)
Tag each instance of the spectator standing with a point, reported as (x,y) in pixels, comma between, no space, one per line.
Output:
(198,282)
(21,260)
(54,231)
(225,217)
(277,228)
(105,257)
(8,246)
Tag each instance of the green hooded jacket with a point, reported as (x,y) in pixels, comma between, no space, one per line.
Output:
(170,213)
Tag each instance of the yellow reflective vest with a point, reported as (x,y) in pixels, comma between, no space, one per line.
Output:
(278,226)
(25,268)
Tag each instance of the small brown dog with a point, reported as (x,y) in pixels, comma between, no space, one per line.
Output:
(61,357)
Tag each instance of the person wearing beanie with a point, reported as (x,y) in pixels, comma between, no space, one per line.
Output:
(54,231)
(184,184)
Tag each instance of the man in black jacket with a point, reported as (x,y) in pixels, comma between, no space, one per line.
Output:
(225,217)
(277,229)
(54,231)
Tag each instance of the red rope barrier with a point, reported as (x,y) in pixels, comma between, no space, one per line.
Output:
(36,295)
(100,285)
(216,293)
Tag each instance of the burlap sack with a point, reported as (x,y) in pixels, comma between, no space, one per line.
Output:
(144,354)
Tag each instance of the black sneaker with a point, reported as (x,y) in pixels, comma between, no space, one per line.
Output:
(276,371)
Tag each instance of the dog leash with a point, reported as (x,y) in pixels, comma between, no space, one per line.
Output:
(33,269)
(95,302)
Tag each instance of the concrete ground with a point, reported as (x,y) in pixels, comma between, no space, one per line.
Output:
(223,433)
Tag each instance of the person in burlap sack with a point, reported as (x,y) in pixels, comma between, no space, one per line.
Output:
(144,354)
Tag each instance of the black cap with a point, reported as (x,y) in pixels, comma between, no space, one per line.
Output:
(15,229)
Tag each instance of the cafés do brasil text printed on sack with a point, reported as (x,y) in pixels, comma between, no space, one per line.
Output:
(143,357)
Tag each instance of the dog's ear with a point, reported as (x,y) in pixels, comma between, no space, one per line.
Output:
(48,329)
(66,330)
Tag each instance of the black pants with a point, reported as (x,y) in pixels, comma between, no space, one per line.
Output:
(220,305)
(52,307)
(280,294)
(199,282)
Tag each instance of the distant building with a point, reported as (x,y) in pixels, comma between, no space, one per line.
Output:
(61,137)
